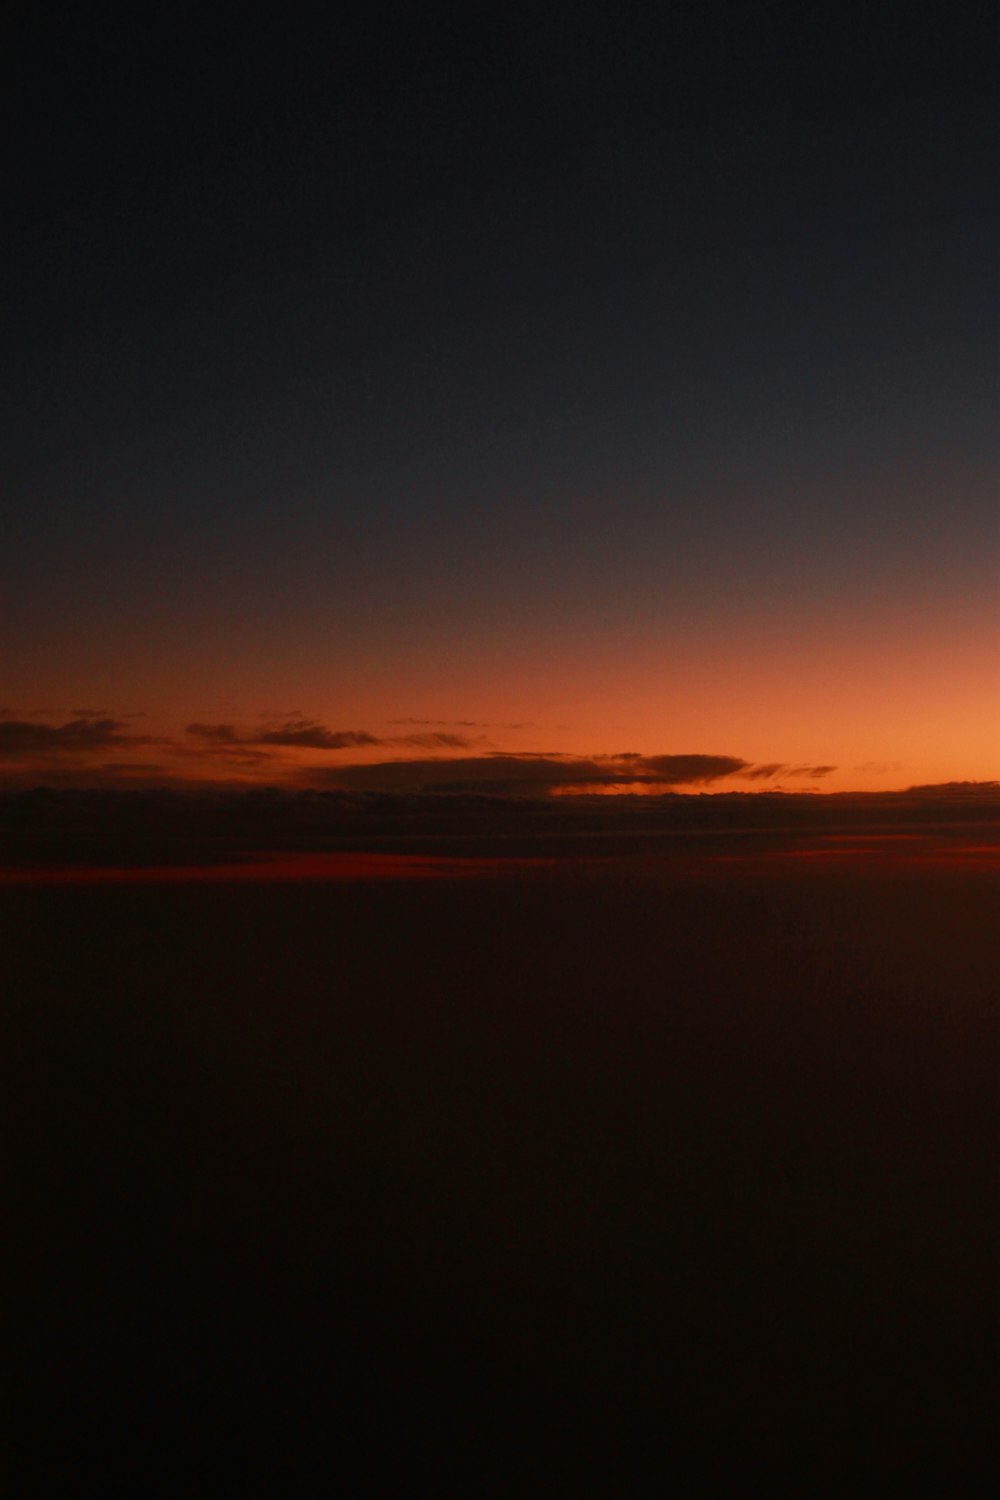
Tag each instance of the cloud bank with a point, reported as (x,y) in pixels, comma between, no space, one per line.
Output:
(278,751)
(505,774)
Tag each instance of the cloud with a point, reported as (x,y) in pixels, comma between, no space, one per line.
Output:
(436,740)
(80,736)
(497,774)
(680,770)
(309,734)
(507,774)
(767,770)
(306,734)
(303,734)
(764,772)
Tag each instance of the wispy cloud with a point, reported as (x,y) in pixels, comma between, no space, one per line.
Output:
(309,734)
(435,740)
(302,734)
(768,770)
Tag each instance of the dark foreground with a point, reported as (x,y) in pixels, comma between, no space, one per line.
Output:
(576,1182)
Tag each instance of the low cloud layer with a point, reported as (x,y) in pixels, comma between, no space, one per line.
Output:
(502,774)
(272,752)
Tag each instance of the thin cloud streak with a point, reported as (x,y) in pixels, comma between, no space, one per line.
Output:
(301,734)
(769,770)
(309,734)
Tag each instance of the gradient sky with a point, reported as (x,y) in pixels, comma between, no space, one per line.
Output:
(615,379)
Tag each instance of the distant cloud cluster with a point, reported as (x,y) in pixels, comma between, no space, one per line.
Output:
(506,774)
(78,748)
(303,734)
(20,738)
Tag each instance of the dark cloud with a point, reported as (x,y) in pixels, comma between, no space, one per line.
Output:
(770,769)
(508,774)
(78,737)
(764,772)
(307,735)
(680,770)
(298,733)
(436,740)
(497,774)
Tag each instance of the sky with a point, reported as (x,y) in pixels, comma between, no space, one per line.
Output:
(608,395)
